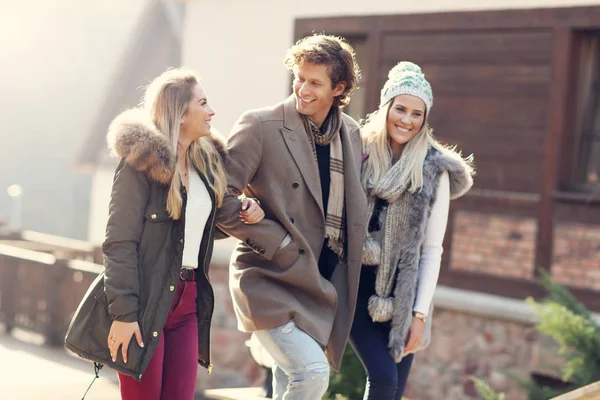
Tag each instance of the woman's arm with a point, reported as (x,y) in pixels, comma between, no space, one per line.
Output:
(431,256)
(129,198)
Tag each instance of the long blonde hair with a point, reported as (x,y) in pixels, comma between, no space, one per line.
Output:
(167,99)
(376,144)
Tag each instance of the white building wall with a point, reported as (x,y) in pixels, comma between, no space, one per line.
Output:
(58,58)
(100,197)
(238,46)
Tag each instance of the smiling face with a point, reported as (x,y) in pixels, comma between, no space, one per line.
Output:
(313,91)
(196,121)
(405,119)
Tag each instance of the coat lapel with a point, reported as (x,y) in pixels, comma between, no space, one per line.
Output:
(295,138)
(356,201)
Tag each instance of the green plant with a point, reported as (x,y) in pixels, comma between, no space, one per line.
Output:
(485,391)
(349,383)
(565,319)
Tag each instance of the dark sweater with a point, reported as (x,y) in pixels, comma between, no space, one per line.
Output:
(328,260)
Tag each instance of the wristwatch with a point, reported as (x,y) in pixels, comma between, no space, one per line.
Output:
(420,316)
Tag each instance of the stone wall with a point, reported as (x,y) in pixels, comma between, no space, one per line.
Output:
(465,345)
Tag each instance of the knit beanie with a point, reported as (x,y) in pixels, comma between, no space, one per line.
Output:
(407,78)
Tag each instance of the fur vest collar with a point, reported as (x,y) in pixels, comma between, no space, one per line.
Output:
(134,137)
(398,256)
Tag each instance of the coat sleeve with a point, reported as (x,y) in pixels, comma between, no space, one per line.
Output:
(129,197)
(243,160)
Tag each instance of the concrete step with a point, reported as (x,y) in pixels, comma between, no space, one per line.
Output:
(589,392)
(251,393)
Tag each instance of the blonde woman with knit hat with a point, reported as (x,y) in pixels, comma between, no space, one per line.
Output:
(409,179)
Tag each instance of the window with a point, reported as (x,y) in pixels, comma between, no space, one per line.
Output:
(587,147)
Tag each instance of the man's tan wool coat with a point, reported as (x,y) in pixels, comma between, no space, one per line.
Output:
(270,159)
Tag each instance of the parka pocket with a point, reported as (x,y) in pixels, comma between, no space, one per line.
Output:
(157,226)
(287,256)
(101,297)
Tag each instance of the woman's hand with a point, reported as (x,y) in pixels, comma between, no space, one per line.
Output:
(251,212)
(120,336)
(415,335)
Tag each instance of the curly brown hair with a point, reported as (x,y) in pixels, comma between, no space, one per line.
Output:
(333,51)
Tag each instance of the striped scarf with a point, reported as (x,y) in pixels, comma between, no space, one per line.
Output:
(335,216)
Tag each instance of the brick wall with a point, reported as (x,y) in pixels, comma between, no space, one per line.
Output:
(493,244)
(576,259)
(505,245)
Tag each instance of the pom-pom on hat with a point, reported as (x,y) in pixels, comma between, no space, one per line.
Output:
(407,78)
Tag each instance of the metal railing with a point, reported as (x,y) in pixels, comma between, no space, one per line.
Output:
(40,290)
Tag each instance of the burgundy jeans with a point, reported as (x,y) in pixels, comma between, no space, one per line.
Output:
(172,371)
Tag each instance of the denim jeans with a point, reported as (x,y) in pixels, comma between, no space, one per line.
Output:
(386,380)
(301,370)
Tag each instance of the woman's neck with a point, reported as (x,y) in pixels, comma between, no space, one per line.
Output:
(181,153)
(183,143)
(182,150)
(396,151)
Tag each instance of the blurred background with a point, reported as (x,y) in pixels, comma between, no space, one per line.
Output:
(516,83)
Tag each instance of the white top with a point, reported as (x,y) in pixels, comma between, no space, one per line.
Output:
(431,256)
(197,212)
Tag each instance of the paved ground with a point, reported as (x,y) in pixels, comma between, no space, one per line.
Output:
(30,370)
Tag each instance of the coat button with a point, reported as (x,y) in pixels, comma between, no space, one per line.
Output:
(153,216)
(301,250)
(171,288)
(181,240)
(155,334)
(295,185)
(292,220)
(248,241)
(262,251)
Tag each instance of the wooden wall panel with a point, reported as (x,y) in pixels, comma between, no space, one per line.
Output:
(579,212)
(519,19)
(479,47)
(529,114)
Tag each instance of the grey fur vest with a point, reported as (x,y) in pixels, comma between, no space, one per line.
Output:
(397,258)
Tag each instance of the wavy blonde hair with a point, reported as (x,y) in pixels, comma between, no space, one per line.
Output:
(376,144)
(167,99)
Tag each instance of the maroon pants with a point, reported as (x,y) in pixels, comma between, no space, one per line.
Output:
(171,374)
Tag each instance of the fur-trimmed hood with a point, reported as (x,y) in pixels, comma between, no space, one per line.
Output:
(134,137)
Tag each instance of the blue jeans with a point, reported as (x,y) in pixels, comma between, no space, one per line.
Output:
(301,370)
(386,380)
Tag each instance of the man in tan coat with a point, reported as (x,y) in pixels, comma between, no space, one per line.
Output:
(294,276)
